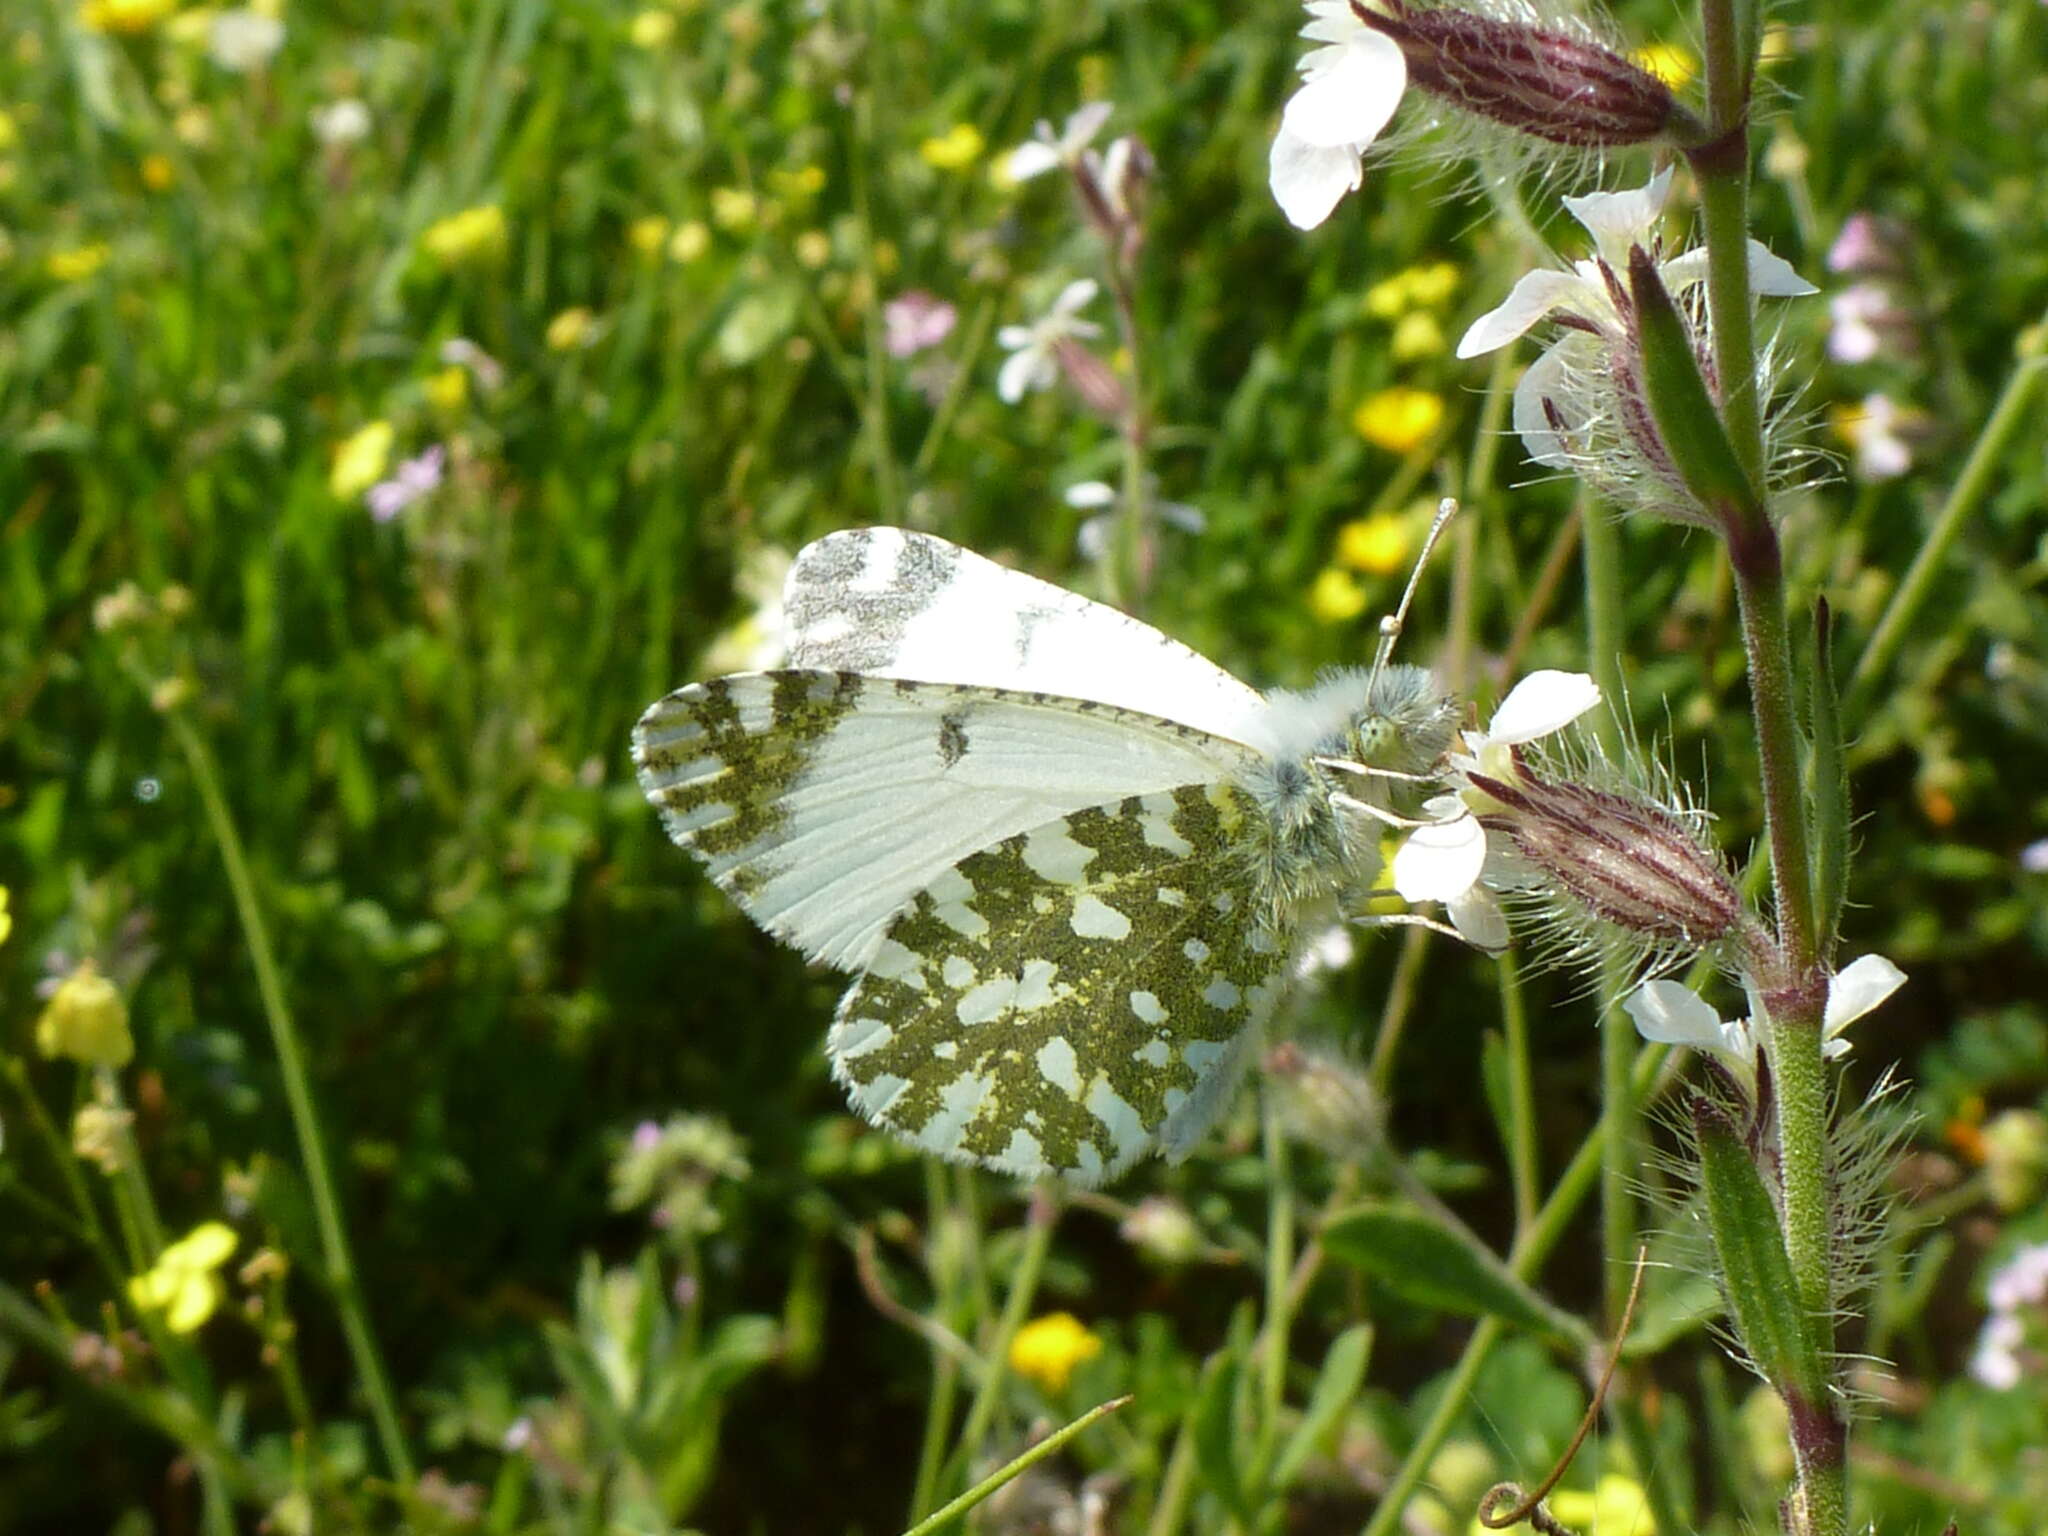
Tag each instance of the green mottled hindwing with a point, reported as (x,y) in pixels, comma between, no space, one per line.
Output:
(1072,997)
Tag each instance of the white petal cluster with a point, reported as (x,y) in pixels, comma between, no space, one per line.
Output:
(1574,366)
(1450,859)
(1046,150)
(1349,89)
(1673,1014)
(1033,362)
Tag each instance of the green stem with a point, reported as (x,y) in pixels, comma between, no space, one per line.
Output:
(1038,1229)
(1606,628)
(1522,1155)
(337,1259)
(888,503)
(1530,1250)
(1279,1269)
(1760,592)
(1722,167)
(988,1485)
(2013,411)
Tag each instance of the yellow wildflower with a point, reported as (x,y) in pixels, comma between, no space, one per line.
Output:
(806,181)
(87,1021)
(570,329)
(648,234)
(1047,1349)
(1617,1506)
(157,172)
(194,127)
(652,30)
(690,241)
(448,390)
(1674,65)
(474,235)
(182,1284)
(1335,597)
(99,1135)
(77,263)
(1416,334)
(734,208)
(1378,544)
(128,17)
(955,149)
(813,248)
(10,134)
(1400,419)
(1427,285)
(6,918)
(360,460)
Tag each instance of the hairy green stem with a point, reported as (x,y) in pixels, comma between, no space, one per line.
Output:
(337,1260)
(1722,167)
(1521,1127)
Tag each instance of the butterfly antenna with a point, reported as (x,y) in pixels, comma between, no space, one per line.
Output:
(1390,626)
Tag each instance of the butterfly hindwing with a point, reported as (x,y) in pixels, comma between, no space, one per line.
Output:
(1072,997)
(823,801)
(893,603)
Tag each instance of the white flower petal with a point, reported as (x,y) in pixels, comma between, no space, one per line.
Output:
(1534,295)
(1441,860)
(1076,295)
(1546,379)
(1086,121)
(1307,182)
(1477,917)
(1687,270)
(1029,160)
(1348,104)
(1540,703)
(1014,336)
(1856,989)
(1671,1014)
(1772,276)
(1021,371)
(1618,220)
(1090,494)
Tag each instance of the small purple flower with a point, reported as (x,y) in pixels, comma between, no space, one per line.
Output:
(1864,245)
(414,478)
(916,321)
(646,1136)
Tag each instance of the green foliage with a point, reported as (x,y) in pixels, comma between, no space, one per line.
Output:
(497,965)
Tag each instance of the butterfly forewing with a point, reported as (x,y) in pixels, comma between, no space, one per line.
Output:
(1072,997)
(823,801)
(892,603)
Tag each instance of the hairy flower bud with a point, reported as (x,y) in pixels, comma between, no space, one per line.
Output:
(1536,80)
(1624,860)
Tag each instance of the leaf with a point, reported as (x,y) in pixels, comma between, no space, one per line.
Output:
(1688,423)
(1336,1385)
(1416,1258)
(1216,1437)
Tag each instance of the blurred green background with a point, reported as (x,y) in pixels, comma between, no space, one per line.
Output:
(623,270)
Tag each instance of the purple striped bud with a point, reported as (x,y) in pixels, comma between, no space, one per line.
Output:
(1537,80)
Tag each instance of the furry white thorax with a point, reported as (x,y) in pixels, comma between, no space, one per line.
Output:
(1320,844)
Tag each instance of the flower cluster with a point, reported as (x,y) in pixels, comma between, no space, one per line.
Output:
(2013,1335)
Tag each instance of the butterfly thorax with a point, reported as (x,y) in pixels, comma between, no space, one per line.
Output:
(1315,841)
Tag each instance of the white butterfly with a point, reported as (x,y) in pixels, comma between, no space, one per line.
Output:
(1070,858)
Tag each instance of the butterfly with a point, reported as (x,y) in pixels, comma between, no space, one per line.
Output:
(1069,860)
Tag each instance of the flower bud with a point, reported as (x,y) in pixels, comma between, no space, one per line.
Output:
(1624,860)
(2016,1158)
(1536,80)
(87,1021)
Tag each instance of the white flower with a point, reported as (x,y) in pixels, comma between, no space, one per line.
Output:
(1449,860)
(413,480)
(340,123)
(2021,1281)
(1349,89)
(1855,316)
(1671,1014)
(1033,362)
(244,41)
(1045,150)
(1617,221)
(1996,1360)
(1100,497)
(1873,432)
